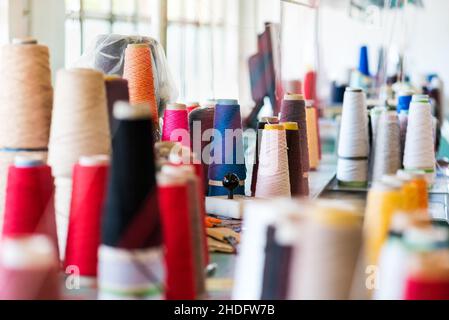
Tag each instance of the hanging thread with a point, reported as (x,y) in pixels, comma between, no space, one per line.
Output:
(298,184)
(176,126)
(201,124)
(130,254)
(116,90)
(80,127)
(227,148)
(260,126)
(88,194)
(388,146)
(138,70)
(353,148)
(29,269)
(273,178)
(419,151)
(29,205)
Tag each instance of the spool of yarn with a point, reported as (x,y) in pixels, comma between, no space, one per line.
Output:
(131,218)
(80,127)
(384,200)
(429,278)
(29,205)
(28,269)
(298,182)
(130,254)
(138,70)
(190,161)
(353,148)
(313,137)
(293,109)
(201,124)
(273,178)
(326,260)
(26,96)
(260,126)
(192,106)
(227,153)
(88,194)
(176,126)
(116,90)
(374,116)
(388,146)
(419,151)
(418,189)
(184,234)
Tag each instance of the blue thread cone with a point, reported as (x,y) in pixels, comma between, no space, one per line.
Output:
(363,62)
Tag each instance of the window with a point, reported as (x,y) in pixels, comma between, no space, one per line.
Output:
(86,19)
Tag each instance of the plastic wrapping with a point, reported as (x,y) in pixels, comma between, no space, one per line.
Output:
(107,54)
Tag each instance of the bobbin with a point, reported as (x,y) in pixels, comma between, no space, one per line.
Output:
(176,106)
(29,161)
(93,161)
(24,41)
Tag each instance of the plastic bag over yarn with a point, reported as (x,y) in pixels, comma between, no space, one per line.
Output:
(107,54)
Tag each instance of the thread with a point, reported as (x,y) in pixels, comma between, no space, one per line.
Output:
(313,137)
(374,116)
(353,148)
(298,181)
(88,194)
(326,258)
(176,126)
(417,190)
(29,205)
(388,146)
(130,254)
(227,148)
(131,217)
(260,126)
(273,178)
(384,200)
(184,234)
(28,269)
(192,106)
(26,95)
(419,144)
(80,127)
(201,124)
(293,109)
(138,70)
(363,61)
(116,90)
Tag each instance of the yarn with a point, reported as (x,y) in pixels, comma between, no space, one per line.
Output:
(417,190)
(88,194)
(201,124)
(374,116)
(29,205)
(129,274)
(353,148)
(419,144)
(183,238)
(325,259)
(176,126)
(130,254)
(138,70)
(26,96)
(273,175)
(293,109)
(313,137)
(260,126)
(131,217)
(384,200)
(116,90)
(388,146)
(227,148)
(298,182)
(29,269)
(80,127)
